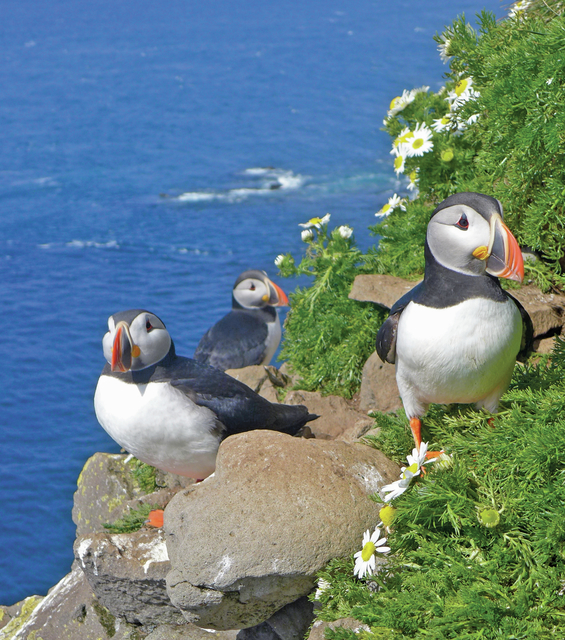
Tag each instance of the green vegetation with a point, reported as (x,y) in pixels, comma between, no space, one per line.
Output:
(144,475)
(133,520)
(329,337)
(479,546)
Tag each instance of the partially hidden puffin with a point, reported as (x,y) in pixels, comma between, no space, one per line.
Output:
(251,332)
(455,336)
(172,412)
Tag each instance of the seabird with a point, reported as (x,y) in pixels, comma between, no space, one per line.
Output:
(455,336)
(251,332)
(172,412)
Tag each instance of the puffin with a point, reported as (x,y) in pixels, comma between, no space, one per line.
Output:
(455,337)
(251,332)
(172,412)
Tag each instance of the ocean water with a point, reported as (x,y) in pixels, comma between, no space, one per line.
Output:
(149,153)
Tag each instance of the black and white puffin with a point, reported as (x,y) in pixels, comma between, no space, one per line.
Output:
(455,336)
(172,412)
(251,332)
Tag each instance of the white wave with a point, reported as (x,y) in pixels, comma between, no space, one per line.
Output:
(196,196)
(83,244)
(258,171)
(271,179)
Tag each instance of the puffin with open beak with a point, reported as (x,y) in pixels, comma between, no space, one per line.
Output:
(455,337)
(172,412)
(251,332)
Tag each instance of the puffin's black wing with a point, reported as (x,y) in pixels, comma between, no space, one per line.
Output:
(237,340)
(237,407)
(386,337)
(527,345)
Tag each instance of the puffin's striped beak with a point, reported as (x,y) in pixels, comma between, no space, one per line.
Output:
(278,296)
(503,255)
(122,348)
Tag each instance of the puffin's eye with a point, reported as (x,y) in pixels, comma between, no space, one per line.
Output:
(252,287)
(148,326)
(463,223)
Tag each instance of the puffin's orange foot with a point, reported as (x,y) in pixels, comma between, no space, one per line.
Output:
(416,428)
(155,518)
(430,455)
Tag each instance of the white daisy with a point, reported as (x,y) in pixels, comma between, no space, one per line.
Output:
(307,235)
(518,9)
(315,222)
(443,48)
(403,137)
(279,260)
(365,559)
(441,124)
(323,585)
(345,231)
(419,143)
(393,202)
(395,489)
(463,91)
(400,102)
(399,162)
(413,185)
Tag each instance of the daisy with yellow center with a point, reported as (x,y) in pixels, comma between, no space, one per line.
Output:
(518,9)
(390,206)
(315,222)
(400,102)
(416,460)
(413,184)
(463,91)
(403,137)
(441,124)
(365,560)
(419,143)
(399,163)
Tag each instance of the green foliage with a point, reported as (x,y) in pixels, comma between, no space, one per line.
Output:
(478,547)
(329,337)
(503,136)
(133,520)
(144,475)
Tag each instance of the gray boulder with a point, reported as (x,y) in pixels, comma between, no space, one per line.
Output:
(70,611)
(250,539)
(107,488)
(127,573)
(379,391)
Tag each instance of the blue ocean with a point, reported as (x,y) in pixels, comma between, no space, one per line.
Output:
(149,153)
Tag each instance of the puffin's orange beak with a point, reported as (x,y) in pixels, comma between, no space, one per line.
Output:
(278,296)
(503,255)
(121,349)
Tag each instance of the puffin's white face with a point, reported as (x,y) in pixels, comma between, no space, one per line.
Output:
(461,239)
(137,344)
(258,291)
(454,235)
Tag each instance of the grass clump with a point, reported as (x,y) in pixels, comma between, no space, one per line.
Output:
(329,337)
(478,548)
(132,520)
(144,475)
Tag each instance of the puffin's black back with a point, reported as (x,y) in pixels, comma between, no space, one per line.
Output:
(237,340)
(236,406)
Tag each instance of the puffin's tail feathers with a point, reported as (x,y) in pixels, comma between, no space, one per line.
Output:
(291,418)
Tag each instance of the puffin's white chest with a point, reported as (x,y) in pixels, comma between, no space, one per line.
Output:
(273,339)
(159,425)
(465,353)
